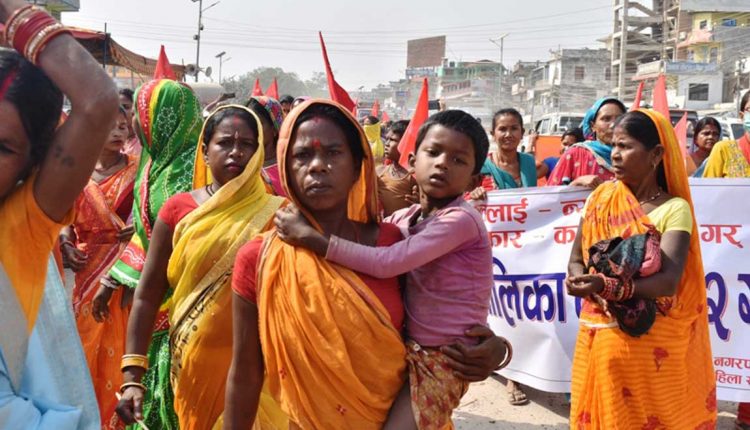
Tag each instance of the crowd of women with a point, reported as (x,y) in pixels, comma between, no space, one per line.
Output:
(273,265)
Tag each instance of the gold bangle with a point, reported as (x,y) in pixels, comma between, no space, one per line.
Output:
(134,360)
(55,31)
(36,41)
(508,354)
(127,385)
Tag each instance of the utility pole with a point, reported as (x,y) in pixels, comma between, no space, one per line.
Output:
(502,67)
(220,56)
(197,37)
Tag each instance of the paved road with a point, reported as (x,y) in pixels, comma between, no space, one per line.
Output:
(485,407)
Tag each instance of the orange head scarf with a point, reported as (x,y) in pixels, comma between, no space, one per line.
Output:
(320,324)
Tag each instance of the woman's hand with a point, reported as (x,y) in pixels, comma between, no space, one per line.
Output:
(100,304)
(588,181)
(73,258)
(475,363)
(130,406)
(413,198)
(479,194)
(584,285)
(294,229)
(126,233)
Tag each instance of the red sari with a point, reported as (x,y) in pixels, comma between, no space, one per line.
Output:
(102,210)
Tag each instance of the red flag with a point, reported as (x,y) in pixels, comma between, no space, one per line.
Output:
(257,90)
(660,96)
(336,92)
(409,140)
(638,97)
(680,129)
(385,118)
(163,68)
(376,109)
(273,90)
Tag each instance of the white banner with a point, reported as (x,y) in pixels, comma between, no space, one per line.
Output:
(532,232)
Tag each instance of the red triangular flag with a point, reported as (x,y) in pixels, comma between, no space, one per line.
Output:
(375,109)
(337,93)
(257,90)
(163,68)
(638,97)
(273,90)
(680,129)
(660,96)
(385,117)
(409,140)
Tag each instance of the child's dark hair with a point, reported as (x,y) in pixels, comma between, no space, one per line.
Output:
(576,132)
(351,132)
(399,127)
(706,121)
(214,120)
(286,99)
(373,119)
(640,127)
(37,100)
(127,93)
(462,122)
(255,106)
(745,101)
(507,111)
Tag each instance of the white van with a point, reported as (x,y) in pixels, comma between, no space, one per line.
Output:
(558,123)
(731,128)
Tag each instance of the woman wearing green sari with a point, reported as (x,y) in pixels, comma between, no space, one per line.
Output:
(168,121)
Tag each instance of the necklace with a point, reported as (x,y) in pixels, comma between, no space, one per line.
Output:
(651,199)
(209,190)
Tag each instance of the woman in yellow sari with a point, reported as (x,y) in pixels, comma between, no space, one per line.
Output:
(663,378)
(731,159)
(192,253)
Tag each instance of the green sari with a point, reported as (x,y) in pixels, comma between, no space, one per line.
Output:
(168,117)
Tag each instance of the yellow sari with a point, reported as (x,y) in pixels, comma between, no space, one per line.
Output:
(333,359)
(205,244)
(661,380)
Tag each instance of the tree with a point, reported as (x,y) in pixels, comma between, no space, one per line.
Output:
(289,83)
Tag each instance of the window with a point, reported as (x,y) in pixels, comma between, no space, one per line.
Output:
(698,92)
(714,55)
(608,73)
(580,72)
(703,24)
(691,55)
(729,22)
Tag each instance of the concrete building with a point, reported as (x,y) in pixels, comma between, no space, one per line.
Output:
(569,82)
(56,7)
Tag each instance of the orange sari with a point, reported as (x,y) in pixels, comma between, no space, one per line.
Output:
(333,359)
(99,212)
(663,379)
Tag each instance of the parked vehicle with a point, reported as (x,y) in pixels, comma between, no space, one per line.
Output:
(558,123)
(731,128)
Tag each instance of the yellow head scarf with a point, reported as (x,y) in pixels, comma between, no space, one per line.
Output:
(205,243)
(372,131)
(333,358)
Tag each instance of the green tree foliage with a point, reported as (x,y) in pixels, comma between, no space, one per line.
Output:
(289,83)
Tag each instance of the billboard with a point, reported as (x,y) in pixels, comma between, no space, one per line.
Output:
(427,52)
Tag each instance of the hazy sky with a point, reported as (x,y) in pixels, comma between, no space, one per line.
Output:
(366,39)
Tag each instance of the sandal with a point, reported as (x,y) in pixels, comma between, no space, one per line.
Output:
(517,397)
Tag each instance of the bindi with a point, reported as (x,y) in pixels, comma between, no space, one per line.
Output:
(316,143)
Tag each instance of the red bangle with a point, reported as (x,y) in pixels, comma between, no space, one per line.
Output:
(30,30)
(11,25)
(37,44)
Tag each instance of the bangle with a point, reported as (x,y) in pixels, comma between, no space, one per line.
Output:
(110,283)
(40,41)
(508,354)
(134,360)
(12,23)
(127,385)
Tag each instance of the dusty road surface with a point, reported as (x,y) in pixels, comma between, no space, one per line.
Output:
(485,407)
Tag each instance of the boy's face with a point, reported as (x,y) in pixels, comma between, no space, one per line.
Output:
(444,163)
(391,146)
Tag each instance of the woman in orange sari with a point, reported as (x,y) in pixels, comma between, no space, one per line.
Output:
(659,376)
(90,247)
